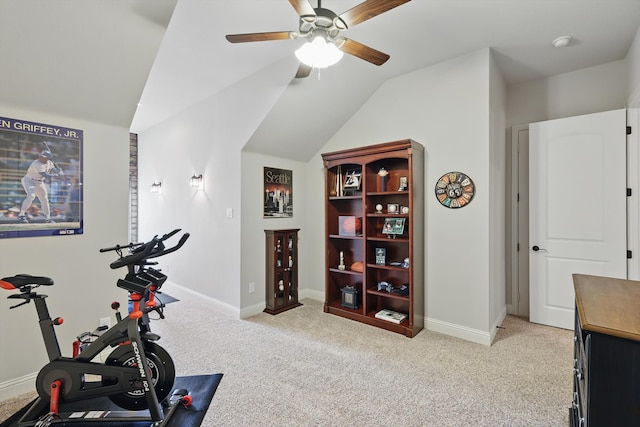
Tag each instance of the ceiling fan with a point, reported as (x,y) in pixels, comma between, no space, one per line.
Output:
(325,24)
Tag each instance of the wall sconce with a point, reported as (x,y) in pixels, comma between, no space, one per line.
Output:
(196,181)
(156,188)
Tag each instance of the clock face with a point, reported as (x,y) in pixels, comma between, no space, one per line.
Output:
(454,190)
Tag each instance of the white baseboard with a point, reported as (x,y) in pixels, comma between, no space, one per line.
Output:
(17,386)
(219,305)
(311,294)
(458,331)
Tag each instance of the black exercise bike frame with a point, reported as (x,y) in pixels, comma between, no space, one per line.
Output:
(132,330)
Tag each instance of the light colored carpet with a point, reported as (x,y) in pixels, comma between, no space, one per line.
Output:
(307,368)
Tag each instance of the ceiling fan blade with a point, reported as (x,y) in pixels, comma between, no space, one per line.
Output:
(367,10)
(364,52)
(303,71)
(258,37)
(303,7)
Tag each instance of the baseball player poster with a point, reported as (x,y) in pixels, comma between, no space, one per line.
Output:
(40,179)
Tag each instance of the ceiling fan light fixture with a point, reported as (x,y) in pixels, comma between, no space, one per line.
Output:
(319,53)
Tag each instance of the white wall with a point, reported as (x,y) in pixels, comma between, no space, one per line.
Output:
(497,196)
(633,60)
(445,108)
(585,91)
(206,138)
(84,286)
(253,226)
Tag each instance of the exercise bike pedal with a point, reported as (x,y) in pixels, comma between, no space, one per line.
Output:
(179,398)
(46,420)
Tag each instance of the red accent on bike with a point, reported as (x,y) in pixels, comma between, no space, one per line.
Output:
(58,321)
(187,401)
(152,297)
(135,314)
(76,348)
(115,305)
(55,396)
(6,285)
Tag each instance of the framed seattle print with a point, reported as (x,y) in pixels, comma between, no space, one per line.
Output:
(40,179)
(278,193)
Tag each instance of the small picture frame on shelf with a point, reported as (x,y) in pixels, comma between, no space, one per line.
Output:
(381,256)
(351,297)
(393,208)
(404,184)
(393,226)
(352,181)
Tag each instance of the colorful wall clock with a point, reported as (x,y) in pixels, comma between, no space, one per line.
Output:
(454,190)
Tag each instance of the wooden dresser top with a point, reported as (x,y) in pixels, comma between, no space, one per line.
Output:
(608,306)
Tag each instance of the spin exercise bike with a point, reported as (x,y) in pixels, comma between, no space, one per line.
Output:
(137,375)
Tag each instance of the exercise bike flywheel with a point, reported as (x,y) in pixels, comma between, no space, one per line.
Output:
(162,369)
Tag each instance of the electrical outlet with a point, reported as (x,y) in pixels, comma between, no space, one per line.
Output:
(252,287)
(105,321)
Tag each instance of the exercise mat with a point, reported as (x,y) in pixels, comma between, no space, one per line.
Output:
(201,388)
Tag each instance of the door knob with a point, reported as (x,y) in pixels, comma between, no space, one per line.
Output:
(537,248)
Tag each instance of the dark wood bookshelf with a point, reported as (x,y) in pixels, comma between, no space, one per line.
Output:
(404,162)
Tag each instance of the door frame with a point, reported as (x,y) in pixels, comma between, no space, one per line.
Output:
(519,257)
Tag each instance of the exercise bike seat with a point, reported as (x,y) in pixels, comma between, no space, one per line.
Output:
(20,280)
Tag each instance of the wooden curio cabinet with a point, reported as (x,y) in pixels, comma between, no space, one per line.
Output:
(374,213)
(282,270)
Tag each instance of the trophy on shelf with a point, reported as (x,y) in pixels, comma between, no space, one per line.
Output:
(341,266)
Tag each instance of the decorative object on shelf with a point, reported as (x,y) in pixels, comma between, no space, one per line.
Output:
(385,286)
(381,256)
(357,266)
(352,181)
(405,263)
(280,285)
(349,225)
(351,297)
(391,316)
(156,188)
(402,290)
(278,193)
(404,210)
(393,208)
(393,226)
(382,173)
(454,190)
(379,208)
(404,184)
(341,266)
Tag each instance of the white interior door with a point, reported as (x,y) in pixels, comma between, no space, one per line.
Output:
(577,209)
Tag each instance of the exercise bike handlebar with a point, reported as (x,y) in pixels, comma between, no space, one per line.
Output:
(134,258)
(183,239)
(152,249)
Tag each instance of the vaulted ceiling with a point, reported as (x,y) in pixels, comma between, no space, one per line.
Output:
(97,59)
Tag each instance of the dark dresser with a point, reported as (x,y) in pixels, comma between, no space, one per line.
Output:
(606,381)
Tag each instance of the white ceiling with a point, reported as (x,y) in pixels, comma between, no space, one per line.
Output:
(96,59)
